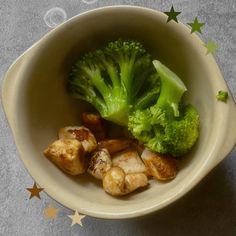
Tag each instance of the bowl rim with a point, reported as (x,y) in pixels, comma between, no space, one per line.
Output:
(196,177)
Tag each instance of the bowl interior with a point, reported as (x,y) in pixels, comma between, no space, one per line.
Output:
(43,104)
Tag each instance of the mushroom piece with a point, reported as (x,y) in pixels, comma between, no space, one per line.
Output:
(129,161)
(67,154)
(114,145)
(117,183)
(80,133)
(162,167)
(99,163)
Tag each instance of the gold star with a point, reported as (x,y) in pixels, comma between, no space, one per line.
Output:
(34,191)
(76,218)
(211,47)
(51,212)
(172,14)
(196,26)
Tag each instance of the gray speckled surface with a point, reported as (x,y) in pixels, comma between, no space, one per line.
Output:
(209,209)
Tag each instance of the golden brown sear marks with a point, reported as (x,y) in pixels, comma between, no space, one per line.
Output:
(67,154)
(114,145)
(117,183)
(129,161)
(82,134)
(99,163)
(162,167)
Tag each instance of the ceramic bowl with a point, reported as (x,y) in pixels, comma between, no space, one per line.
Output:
(37,104)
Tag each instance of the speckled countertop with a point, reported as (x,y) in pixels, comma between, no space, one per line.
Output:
(209,209)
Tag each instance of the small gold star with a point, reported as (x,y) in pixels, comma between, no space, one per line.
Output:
(51,212)
(211,47)
(172,14)
(196,25)
(34,191)
(76,218)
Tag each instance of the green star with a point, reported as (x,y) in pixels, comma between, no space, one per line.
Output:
(211,47)
(172,14)
(196,25)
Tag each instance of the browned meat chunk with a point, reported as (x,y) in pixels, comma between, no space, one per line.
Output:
(68,154)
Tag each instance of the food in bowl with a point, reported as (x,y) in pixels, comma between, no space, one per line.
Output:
(129,88)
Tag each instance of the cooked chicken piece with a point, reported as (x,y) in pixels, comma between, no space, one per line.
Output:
(80,133)
(129,161)
(162,167)
(117,183)
(114,145)
(99,163)
(134,181)
(114,181)
(68,154)
(96,124)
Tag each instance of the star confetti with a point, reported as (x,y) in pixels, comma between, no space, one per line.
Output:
(222,96)
(196,25)
(51,212)
(76,218)
(172,14)
(211,47)
(34,191)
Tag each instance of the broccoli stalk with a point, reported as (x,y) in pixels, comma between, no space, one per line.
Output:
(167,127)
(172,89)
(112,78)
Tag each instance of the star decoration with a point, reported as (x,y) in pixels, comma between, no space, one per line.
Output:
(172,14)
(76,218)
(196,25)
(211,47)
(51,212)
(34,191)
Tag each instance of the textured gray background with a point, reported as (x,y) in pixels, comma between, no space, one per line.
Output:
(209,209)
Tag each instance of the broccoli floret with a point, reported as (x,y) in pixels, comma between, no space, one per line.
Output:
(222,96)
(167,127)
(112,80)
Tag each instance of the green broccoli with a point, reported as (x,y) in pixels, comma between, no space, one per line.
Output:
(121,82)
(167,127)
(116,79)
(222,96)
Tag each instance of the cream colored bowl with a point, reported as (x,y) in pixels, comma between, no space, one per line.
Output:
(37,105)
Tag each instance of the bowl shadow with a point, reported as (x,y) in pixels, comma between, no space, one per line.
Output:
(208,209)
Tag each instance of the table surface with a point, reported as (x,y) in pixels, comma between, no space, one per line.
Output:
(209,209)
